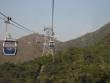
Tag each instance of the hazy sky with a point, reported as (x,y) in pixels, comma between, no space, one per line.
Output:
(73,18)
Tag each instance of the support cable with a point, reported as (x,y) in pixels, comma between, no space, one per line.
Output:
(15,23)
(52,16)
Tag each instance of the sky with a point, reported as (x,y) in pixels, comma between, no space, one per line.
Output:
(72,18)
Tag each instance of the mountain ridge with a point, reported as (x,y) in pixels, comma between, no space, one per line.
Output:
(89,38)
(30,46)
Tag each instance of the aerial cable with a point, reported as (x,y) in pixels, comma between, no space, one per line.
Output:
(52,16)
(15,23)
(2,19)
(21,26)
(16,26)
(3,14)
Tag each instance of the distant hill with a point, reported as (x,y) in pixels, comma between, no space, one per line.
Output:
(29,47)
(71,65)
(89,63)
(89,38)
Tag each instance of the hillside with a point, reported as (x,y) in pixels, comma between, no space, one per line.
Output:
(89,38)
(80,65)
(72,65)
(29,47)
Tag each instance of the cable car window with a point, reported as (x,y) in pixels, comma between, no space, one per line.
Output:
(9,50)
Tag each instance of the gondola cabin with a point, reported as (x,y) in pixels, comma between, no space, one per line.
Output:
(9,47)
(51,44)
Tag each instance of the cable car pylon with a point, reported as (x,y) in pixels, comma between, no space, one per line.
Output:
(49,44)
(49,40)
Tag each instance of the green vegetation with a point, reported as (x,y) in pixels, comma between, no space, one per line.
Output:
(72,65)
(88,64)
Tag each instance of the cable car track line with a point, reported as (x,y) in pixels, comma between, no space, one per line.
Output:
(21,26)
(2,18)
(52,16)
(3,14)
(15,23)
